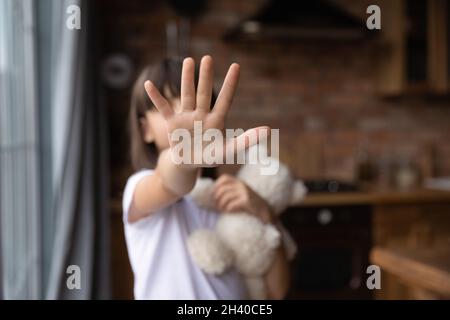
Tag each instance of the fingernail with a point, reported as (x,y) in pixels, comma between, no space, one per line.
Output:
(147,85)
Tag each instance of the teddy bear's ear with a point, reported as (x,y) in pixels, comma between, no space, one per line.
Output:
(272,237)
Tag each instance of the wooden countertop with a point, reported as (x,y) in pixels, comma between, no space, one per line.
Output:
(428,268)
(387,197)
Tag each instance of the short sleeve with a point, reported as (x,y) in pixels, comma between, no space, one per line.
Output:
(129,191)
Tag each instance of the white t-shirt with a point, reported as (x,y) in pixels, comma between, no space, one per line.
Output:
(162,266)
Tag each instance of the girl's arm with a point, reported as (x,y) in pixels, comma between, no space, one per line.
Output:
(168,183)
(233,195)
(278,278)
(172,181)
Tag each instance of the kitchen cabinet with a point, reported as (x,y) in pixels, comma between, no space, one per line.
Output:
(413,53)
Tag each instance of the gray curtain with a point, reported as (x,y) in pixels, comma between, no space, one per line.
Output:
(19,153)
(72,228)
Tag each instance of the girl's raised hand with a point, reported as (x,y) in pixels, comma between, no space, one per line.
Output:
(196,106)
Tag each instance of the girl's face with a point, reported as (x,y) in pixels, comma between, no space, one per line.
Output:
(154,126)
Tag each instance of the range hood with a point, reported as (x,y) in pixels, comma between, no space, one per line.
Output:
(300,20)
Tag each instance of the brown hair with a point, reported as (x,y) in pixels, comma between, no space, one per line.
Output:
(166,76)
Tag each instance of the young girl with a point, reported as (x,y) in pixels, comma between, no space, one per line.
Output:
(158,214)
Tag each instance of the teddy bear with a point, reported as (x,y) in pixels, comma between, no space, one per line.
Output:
(241,239)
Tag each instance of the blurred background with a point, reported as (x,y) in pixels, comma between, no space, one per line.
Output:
(364,119)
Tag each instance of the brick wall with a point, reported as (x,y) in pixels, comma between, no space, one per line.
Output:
(322,97)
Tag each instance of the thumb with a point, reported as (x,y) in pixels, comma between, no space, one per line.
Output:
(249,138)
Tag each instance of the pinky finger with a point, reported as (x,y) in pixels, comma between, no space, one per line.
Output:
(158,100)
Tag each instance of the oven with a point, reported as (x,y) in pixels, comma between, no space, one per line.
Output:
(333,251)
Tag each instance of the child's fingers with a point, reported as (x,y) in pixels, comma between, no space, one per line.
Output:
(226,198)
(158,100)
(188,85)
(223,180)
(220,191)
(248,139)
(205,84)
(226,94)
(233,206)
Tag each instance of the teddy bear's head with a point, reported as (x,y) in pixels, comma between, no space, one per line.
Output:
(280,189)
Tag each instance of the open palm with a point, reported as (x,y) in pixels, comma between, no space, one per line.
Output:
(196,106)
